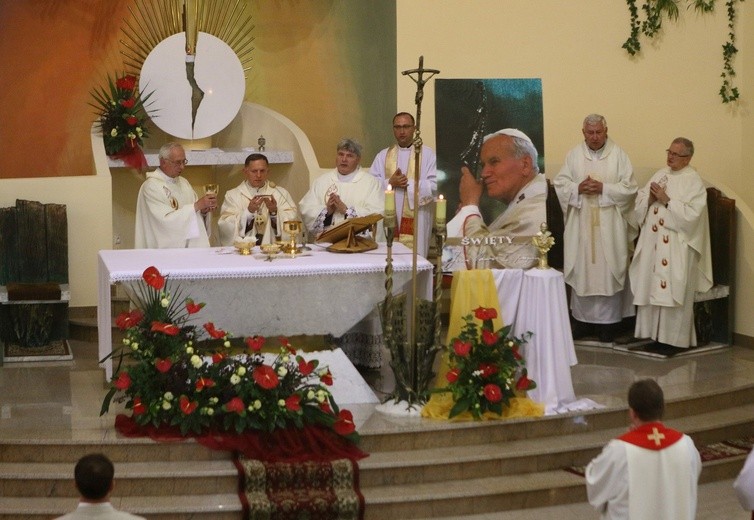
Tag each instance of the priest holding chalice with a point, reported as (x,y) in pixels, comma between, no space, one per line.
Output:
(257,208)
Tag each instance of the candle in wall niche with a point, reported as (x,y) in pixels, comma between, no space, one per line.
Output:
(440,208)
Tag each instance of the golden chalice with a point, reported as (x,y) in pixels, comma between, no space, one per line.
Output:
(244,246)
(293,228)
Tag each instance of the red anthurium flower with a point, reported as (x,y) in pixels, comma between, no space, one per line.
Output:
(452,375)
(131,120)
(344,423)
(461,348)
(325,407)
(213,332)
(255,343)
(235,405)
(489,338)
(187,406)
(306,367)
(287,344)
(204,382)
(488,369)
(163,365)
(165,328)
(293,403)
(138,407)
(153,278)
(482,313)
(265,377)
(193,308)
(217,357)
(123,381)
(127,103)
(127,82)
(492,393)
(327,378)
(523,383)
(126,320)
(516,353)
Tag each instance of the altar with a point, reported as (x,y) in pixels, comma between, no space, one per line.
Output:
(315,293)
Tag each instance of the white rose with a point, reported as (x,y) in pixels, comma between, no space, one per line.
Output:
(282,371)
(310,395)
(114,132)
(126,341)
(285,359)
(168,396)
(165,302)
(196,361)
(210,411)
(234,379)
(226,344)
(214,400)
(189,350)
(281,403)
(257,404)
(241,371)
(166,405)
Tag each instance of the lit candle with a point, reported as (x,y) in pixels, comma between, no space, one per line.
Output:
(389,200)
(440,208)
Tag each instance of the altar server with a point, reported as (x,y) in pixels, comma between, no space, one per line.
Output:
(510,174)
(672,259)
(168,211)
(256,208)
(649,473)
(395,166)
(342,193)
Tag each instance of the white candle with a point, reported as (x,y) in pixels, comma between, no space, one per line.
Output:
(389,200)
(440,208)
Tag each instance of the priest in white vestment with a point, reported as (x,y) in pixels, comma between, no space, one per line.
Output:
(343,193)
(651,472)
(744,484)
(510,173)
(168,212)
(672,259)
(395,166)
(257,208)
(596,190)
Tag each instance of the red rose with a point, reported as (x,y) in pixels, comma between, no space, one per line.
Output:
(193,308)
(452,375)
(327,378)
(213,332)
(235,405)
(187,406)
(344,423)
(203,383)
(306,367)
(255,343)
(489,338)
(265,377)
(131,120)
(483,314)
(523,383)
(217,357)
(163,365)
(127,103)
(488,369)
(492,393)
(153,278)
(126,320)
(138,407)
(461,348)
(127,82)
(165,328)
(123,381)
(293,403)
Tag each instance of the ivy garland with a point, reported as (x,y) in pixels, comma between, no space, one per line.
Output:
(655,10)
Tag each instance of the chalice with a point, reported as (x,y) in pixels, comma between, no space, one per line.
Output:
(211,189)
(293,228)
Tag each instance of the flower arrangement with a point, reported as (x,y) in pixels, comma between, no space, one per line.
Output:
(175,379)
(486,368)
(121,114)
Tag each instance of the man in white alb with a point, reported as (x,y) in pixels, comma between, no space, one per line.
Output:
(256,208)
(168,212)
(395,166)
(649,473)
(596,189)
(672,259)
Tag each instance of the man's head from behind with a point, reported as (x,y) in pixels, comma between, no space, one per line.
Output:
(94,476)
(349,156)
(172,159)
(509,162)
(256,169)
(646,401)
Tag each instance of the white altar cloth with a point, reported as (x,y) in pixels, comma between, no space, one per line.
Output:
(535,300)
(317,293)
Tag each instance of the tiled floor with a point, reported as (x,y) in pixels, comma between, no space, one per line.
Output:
(63,399)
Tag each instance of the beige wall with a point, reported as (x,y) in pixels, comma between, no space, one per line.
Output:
(575,48)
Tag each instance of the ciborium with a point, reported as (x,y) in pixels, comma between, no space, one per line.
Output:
(293,228)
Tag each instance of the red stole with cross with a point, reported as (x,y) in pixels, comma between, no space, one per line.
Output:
(652,436)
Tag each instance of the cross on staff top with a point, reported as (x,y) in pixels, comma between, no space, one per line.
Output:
(420,81)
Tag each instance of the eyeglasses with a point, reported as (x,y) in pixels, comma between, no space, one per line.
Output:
(402,127)
(673,154)
(179,162)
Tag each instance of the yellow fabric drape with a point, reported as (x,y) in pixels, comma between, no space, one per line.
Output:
(468,291)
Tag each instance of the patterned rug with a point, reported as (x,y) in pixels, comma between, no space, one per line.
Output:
(300,490)
(56,350)
(716,451)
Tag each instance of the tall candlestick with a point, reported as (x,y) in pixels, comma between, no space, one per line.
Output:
(440,208)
